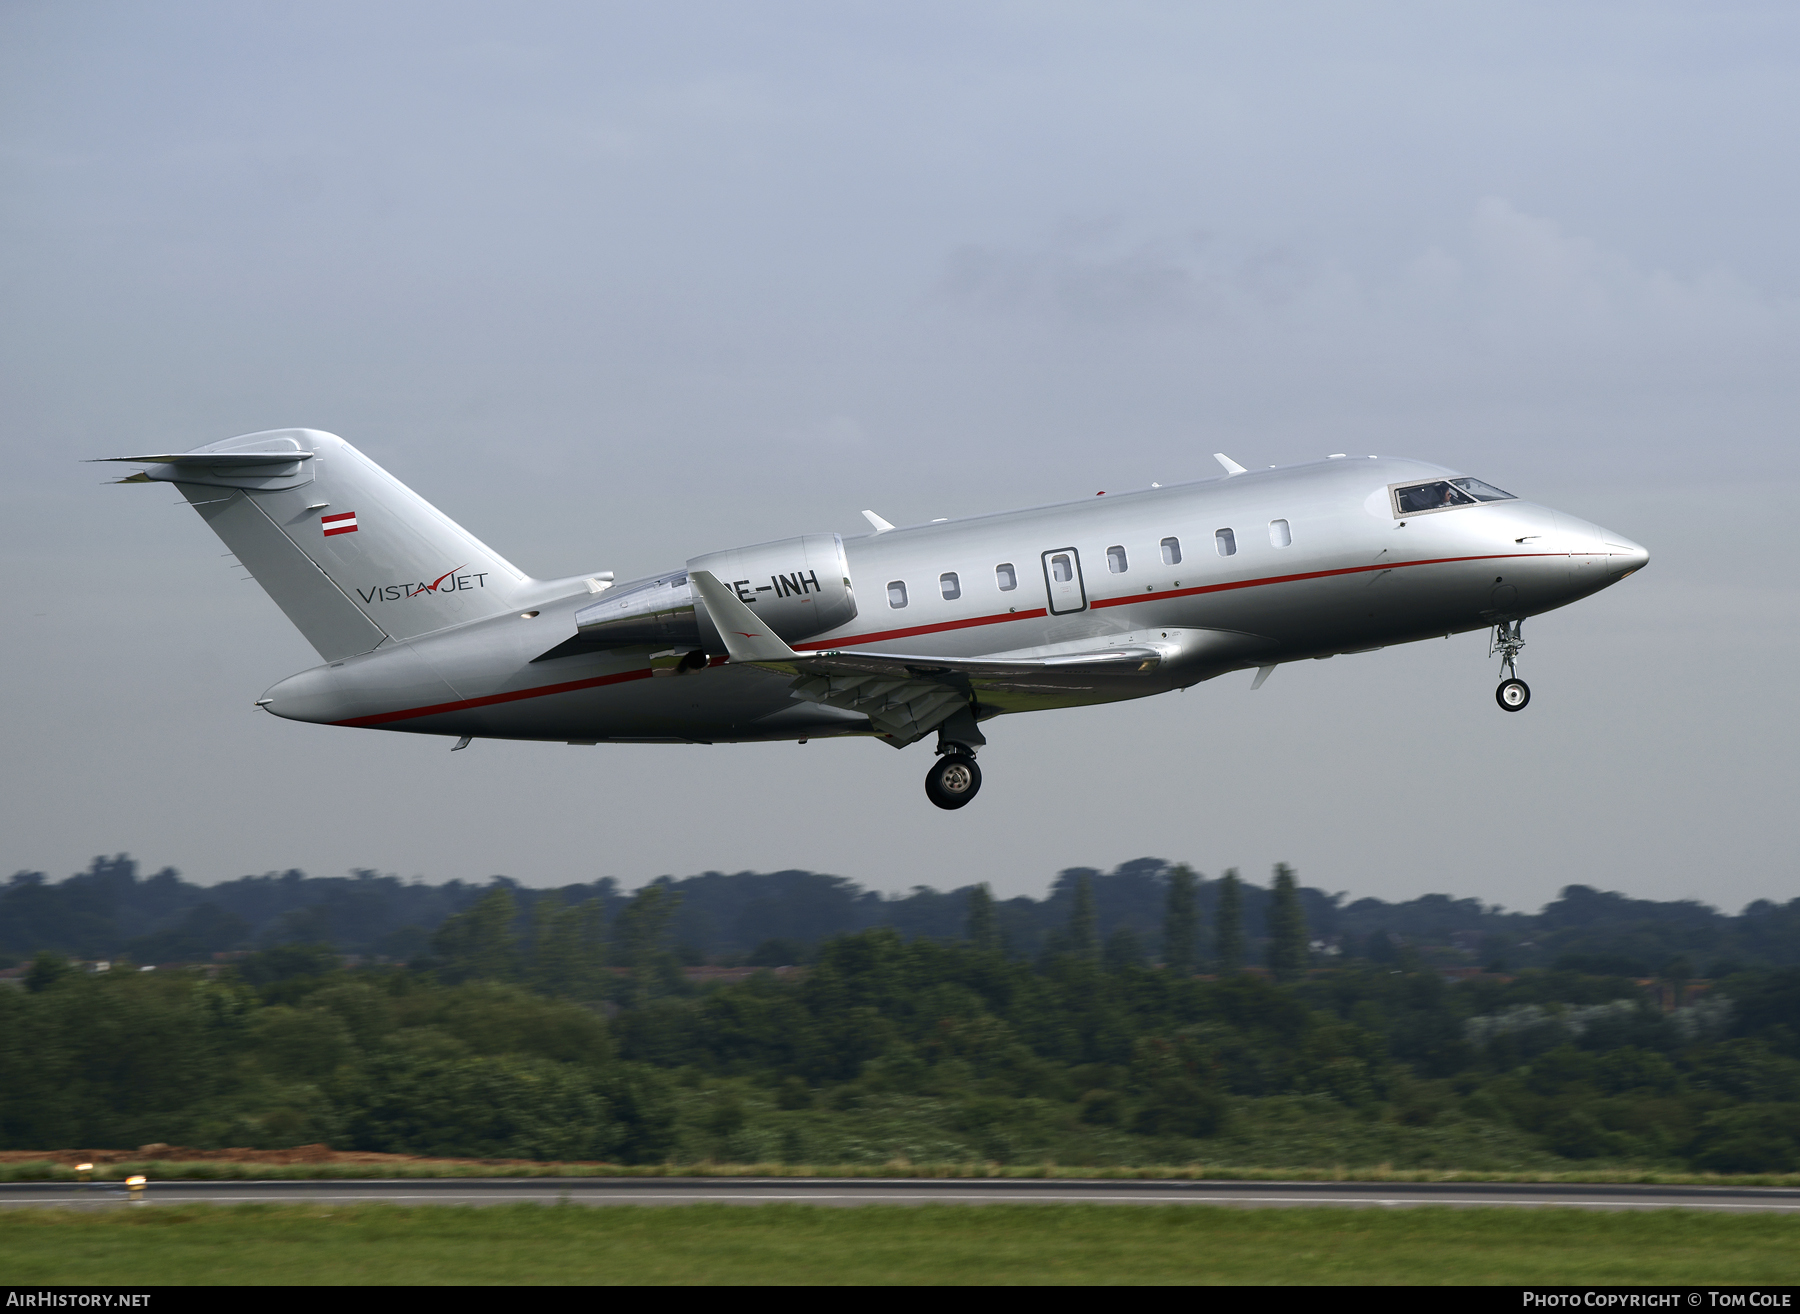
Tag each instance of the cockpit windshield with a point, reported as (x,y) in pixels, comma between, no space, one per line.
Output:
(1444,494)
(1482,492)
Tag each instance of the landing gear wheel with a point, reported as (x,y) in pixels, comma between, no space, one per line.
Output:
(1512,695)
(953,780)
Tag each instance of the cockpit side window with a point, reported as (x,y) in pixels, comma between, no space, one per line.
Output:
(1444,495)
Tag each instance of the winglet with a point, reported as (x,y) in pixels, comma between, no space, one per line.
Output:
(881,526)
(1231,466)
(746,638)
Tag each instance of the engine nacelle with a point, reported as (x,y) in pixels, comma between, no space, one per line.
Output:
(799,587)
(657,612)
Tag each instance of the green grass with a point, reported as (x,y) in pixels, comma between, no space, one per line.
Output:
(517,1244)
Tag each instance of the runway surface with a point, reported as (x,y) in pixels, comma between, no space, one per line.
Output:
(906,1191)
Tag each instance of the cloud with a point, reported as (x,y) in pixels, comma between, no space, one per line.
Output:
(1089,275)
(1520,280)
(1528,287)
(1518,315)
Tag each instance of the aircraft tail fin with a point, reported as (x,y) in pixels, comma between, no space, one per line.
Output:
(352,555)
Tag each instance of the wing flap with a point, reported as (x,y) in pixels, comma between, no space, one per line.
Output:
(1075,670)
(901,711)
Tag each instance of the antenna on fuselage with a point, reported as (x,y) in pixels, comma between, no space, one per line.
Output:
(1231,466)
(881,526)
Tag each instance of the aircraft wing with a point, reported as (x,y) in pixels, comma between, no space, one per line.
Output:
(906,696)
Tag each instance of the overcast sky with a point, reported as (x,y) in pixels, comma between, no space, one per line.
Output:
(614,285)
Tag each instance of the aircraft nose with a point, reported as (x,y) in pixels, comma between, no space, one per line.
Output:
(1622,555)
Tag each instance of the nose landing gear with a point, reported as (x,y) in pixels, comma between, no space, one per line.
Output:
(1513,693)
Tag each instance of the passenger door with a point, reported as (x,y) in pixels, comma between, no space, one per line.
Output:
(1062,581)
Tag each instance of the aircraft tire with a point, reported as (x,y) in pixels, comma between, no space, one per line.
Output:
(953,780)
(1513,695)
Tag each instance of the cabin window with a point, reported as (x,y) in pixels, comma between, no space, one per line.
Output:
(1062,570)
(1006,577)
(951,586)
(896,593)
(1225,541)
(1171,550)
(1115,560)
(1279,533)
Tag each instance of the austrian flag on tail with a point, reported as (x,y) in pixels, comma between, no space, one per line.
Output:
(342,523)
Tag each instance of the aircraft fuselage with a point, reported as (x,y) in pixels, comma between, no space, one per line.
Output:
(1246,571)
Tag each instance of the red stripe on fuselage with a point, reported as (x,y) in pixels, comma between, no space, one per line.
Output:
(1315,574)
(944,627)
(882,636)
(542,690)
(857,640)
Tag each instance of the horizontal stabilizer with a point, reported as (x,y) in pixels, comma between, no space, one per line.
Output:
(353,557)
(214,458)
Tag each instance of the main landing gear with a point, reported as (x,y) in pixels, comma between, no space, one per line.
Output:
(1513,693)
(954,779)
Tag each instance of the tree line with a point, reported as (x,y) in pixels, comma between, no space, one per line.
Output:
(560,1027)
(111,911)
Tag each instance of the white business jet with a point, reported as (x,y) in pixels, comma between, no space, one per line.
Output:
(895,634)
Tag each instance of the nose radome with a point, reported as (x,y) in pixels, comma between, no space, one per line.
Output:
(1622,555)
